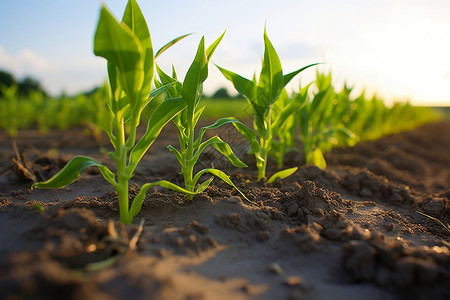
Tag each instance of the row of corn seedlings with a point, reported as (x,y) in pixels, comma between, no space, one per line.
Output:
(18,112)
(328,118)
(127,47)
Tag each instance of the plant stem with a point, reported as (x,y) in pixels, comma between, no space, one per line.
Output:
(188,170)
(122,176)
(265,141)
(262,165)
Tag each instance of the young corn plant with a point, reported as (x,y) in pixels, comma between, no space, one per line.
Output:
(262,95)
(284,140)
(191,147)
(96,111)
(128,49)
(320,125)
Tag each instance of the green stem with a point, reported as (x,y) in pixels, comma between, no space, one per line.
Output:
(280,156)
(188,170)
(262,165)
(265,141)
(122,176)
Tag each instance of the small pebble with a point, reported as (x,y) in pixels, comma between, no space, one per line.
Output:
(293,209)
(275,268)
(396,198)
(365,192)
(390,227)
(293,281)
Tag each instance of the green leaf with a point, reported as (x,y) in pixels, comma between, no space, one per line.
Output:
(251,138)
(244,86)
(222,176)
(160,117)
(171,43)
(204,185)
(137,202)
(197,114)
(120,46)
(316,157)
(248,133)
(294,106)
(223,148)
(226,151)
(193,81)
(288,77)
(135,20)
(176,153)
(213,47)
(271,77)
(71,172)
(175,90)
(215,125)
(282,174)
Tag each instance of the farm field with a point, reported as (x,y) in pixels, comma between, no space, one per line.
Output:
(144,188)
(350,231)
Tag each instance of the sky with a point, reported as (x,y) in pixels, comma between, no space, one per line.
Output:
(398,49)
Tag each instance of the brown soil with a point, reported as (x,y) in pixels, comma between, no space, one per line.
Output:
(351,231)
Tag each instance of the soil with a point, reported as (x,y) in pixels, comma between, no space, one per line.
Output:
(366,227)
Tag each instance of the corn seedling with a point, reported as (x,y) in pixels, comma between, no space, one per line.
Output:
(15,113)
(320,129)
(128,49)
(262,95)
(191,147)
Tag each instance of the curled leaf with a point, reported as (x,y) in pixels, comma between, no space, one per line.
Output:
(282,174)
(71,172)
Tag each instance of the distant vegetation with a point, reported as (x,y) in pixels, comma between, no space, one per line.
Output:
(24,86)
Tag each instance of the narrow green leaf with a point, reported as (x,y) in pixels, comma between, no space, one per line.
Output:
(135,20)
(176,153)
(114,85)
(288,77)
(294,106)
(213,47)
(316,157)
(120,46)
(159,90)
(215,125)
(192,85)
(197,114)
(204,185)
(248,133)
(226,151)
(175,90)
(244,86)
(171,43)
(108,175)
(251,138)
(282,174)
(271,77)
(71,172)
(223,148)
(137,202)
(160,117)
(222,176)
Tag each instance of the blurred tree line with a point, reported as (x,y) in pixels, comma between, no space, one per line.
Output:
(24,86)
(28,84)
(222,93)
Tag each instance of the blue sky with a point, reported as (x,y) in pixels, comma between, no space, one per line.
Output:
(399,49)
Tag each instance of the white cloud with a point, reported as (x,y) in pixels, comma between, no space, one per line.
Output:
(72,76)
(26,62)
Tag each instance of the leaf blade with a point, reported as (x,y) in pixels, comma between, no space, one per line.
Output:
(71,172)
(282,174)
